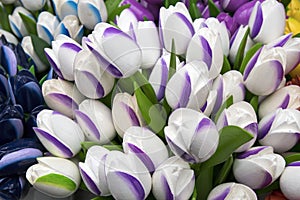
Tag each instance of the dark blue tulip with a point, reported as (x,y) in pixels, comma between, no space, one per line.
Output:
(31,122)
(27,90)
(17,156)
(8,60)
(22,58)
(4,90)
(11,123)
(12,187)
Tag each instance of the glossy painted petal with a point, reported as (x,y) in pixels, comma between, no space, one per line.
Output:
(12,129)
(33,6)
(289,181)
(8,60)
(46,26)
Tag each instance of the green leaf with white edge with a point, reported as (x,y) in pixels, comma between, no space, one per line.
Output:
(226,65)
(254,103)
(29,23)
(58,181)
(172,68)
(231,138)
(250,53)
(39,45)
(153,114)
(224,171)
(204,183)
(291,157)
(226,104)
(213,9)
(240,53)
(194,11)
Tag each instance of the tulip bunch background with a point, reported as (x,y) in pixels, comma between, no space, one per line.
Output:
(150,99)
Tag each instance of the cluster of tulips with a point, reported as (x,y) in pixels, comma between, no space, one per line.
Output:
(150,99)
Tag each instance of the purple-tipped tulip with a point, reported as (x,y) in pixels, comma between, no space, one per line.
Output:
(118,60)
(125,113)
(175,24)
(206,46)
(27,90)
(227,191)
(60,135)
(91,80)
(95,120)
(258,167)
(173,179)
(191,135)
(63,46)
(240,114)
(92,171)
(267,21)
(290,181)
(147,146)
(229,21)
(127,176)
(17,156)
(11,117)
(139,11)
(232,5)
(292,54)
(189,86)
(265,70)
(285,97)
(280,129)
(62,96)
(242,14)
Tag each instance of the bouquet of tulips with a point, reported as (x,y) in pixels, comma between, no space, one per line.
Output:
(150,99)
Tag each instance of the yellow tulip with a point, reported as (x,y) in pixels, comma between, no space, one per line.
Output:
(295,71)
(294,9)
(292,26)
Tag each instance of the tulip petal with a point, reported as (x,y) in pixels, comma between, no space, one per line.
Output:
(63,100)
(207,52)
(132,115)
(223,195)
(167,189)
(251,64)
(91,82)
(258,20)
(53,144)
(53,61)
(251,152)
(89,182)
(8,60)
(12,129)
(87,124)
(164,77)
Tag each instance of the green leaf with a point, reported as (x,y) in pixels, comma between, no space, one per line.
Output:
(113,147)
(254,103)
(153,114)
(4,22)
(31,69)
(240,53)
(226,104)
(285,2)
(167,3)
(213,9)
(103,198)
(194,11)
(204,183)
(226,65)
(297,35)
(43,79)
(58,181)
(250,53)
(231,138)
(224,171)
(113,9)
(172,68)
(29,23)
(39,45)
(292,158)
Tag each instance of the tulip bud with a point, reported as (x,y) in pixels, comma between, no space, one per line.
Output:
(29,50)
(9,36)
(227,191)
(173,179)
(236,40)
(119,60)
(243,13)
(95,119)
(33,5)
(267,21)
(63,46)
(286,97)
(229,21)
(126,171)
(64,8)
(18,155)
(189,86)
(55,177)
(292,54)
(147,146)
(175,23)
(8,1)
(289,181)
(206,46)
(13,187)
(90,79)
(138,10)
(258,167)
(27,90)
(92,171)
(232,5)
(46,26)
(266,62)
(127,21)
(60,135)
(91,12)
(71,27)
(191,135)
(62,96)
(16,23)
(240,114)
(280,129)
(125,113)
(8,60)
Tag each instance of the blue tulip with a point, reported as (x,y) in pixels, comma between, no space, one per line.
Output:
(27,90)
(8,60)
(13,187)
(4,91)
(17,156)
(11,124)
